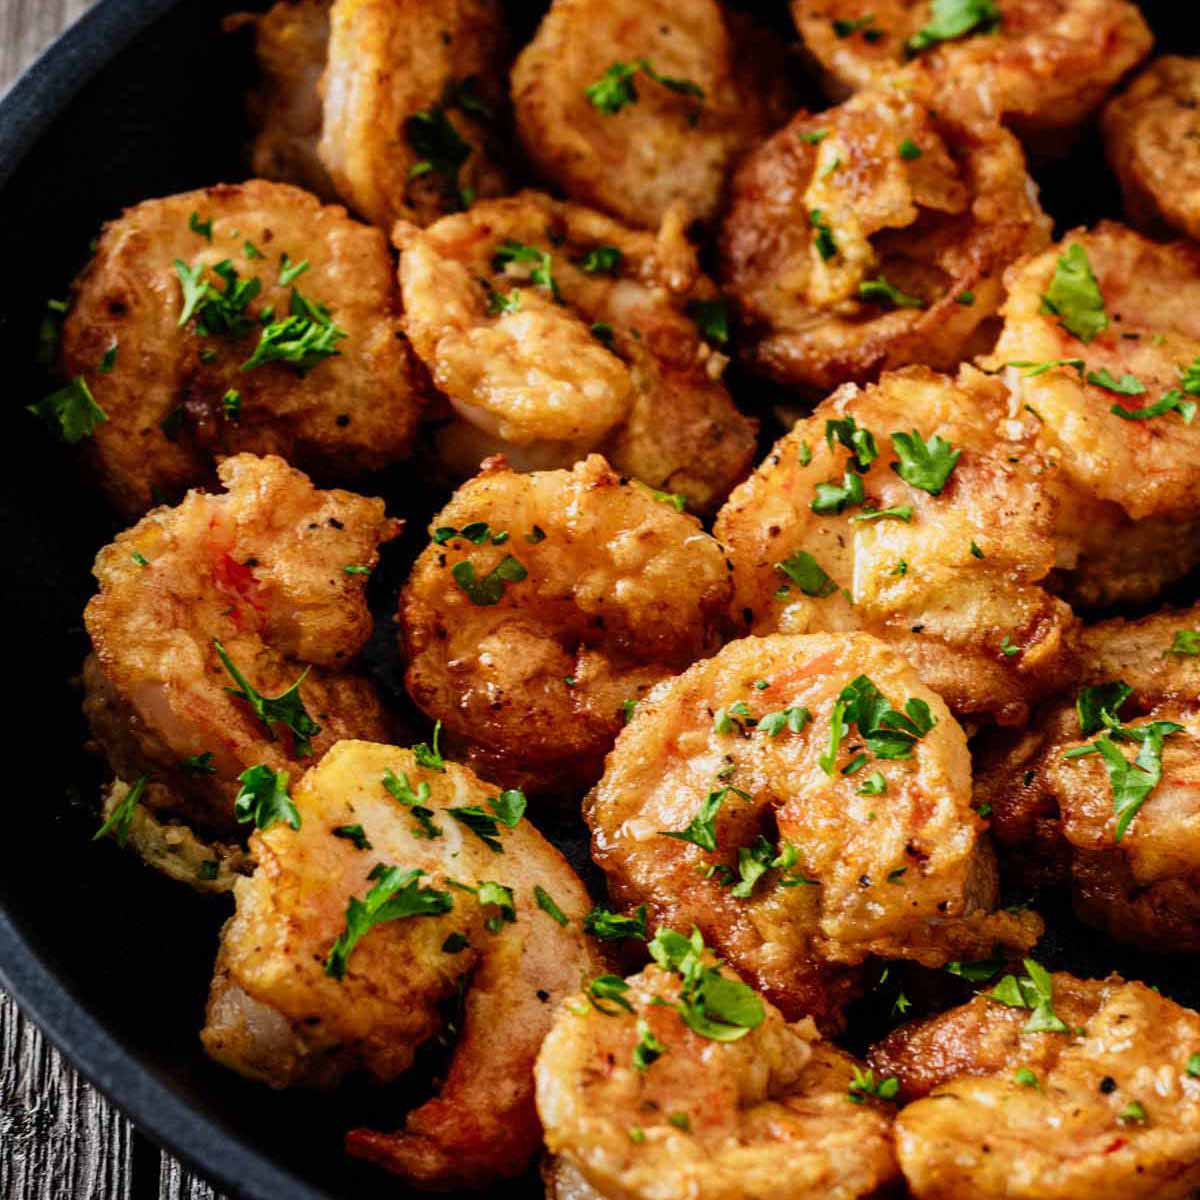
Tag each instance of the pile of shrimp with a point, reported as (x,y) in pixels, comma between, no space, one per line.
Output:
(767,477)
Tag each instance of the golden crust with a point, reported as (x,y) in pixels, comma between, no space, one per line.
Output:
(166,420)
(766,1115)
(291,43)
(831,202)
(665,149)
(1047,65)
(1150,133)
(275,1015)
(956,612)
(261,567)
(537,383)
(621,591)
(1129,490)
(1053,817)
(974,1129)
(390,60)
(914,880)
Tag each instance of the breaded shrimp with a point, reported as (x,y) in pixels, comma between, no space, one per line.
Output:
(1108,1108)
(761,1116)
(637,107)
(1151,134)
(553,330)
(257,573)
(766,797)
(1101,353)
(291,43)
(548,603)
(1127,844)
(953,580)
(875,235)
(187,328)
(411,91)
(298,999)
(1041,65)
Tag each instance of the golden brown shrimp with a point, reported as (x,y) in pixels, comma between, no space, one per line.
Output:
(553,330)
(1128,845)
(530,650)
(1102,1101)
(761,797)
(638,107)
(764,1114)
(187,329)
(1104,387)
(875,235)
(258,574)
(300,997)
(952,579)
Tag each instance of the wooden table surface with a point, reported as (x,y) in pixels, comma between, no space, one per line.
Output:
(59,1139)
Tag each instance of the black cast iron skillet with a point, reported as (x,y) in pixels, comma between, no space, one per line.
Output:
(144,98)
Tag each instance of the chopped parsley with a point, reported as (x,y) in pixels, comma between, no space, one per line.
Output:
(208,870)
(71,412)
(429,756)
(900,512)
(909,150)
(1025,1077)
(674,499)
(286,709)
(397,894)
(1127,385)
(546,903)
(815,137)
(355,834)
(824,240)
(603,332)
(832,498)
(648,1049)
(712,319)
(455,943)
(488,590)
(864,1087)
(1007,648)
(755,860)
(231,404)
(888,733)
(873,785)
(700,830)
(1185,643)
(1172,401)
(880,291)
(1074,295)
(263,799)
(1134,1113)
(49,332)
(217,312)
(952,19)
(1193,1066)
(1033,369)
(542,272)
(507,809)
(607,991)
(793,718)
(440,151)
(966,298)
(121,817)
(203,228)
(414,801)
(614,927)
(139,558)
(807,574)
(199,764)
(924,464)
(109,359)
(844,29)
(1035,991)
(860,442)
(602,260)
(355,569)
(289,271)
(615,88)
(304,338)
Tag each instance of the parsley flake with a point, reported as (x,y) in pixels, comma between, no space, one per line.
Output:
(807,574)
(71,412)
(121,817)
(924,464)
(953,19)
(1074,295)
(286,709)
(264,800)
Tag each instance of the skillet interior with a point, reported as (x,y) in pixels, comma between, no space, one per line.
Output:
(85,934)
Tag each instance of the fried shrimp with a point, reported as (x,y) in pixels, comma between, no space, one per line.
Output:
(1101,353)
(806,803)
(1041,65)
(1093,1094)
(240,318)
(218,608)
(547,604)
(644,1097)
(875,235)
(636,108)
(291,43)
(1124,837)
(841,529)
(1150,135)
(411,90)
(407,879)
(553,330)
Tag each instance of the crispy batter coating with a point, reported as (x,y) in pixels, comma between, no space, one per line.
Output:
(884,187)
(664,147)
(260,567)
(760,1117)
(1043,68)
(1129,513)
(1113,1112)
(619,591)
(411,91)
(1150,135)
(167,416)
(607,359)
(957,588)
(291,43)
(1054,817)
(890,856)
(275,1015)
